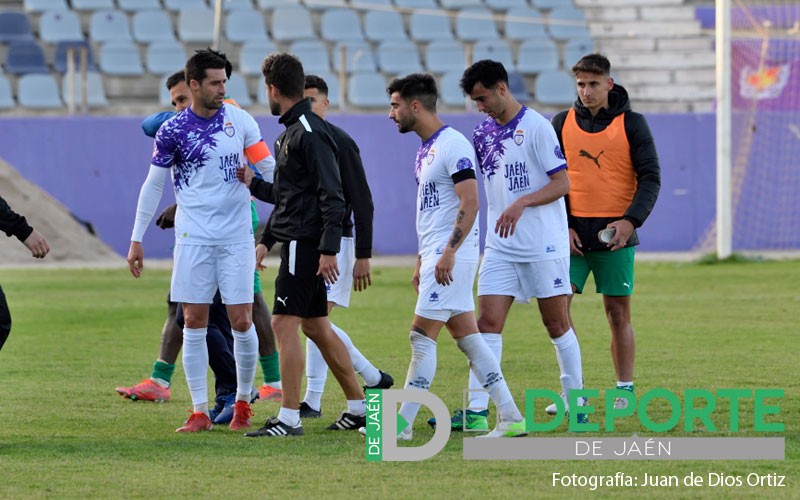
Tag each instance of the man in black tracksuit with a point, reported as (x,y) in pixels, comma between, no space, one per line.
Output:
(614,178)
(14,224)
(307,220)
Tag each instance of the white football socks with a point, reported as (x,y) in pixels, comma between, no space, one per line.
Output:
(245,352)
(195,366)
(421,371)
(478,397)
(568,354)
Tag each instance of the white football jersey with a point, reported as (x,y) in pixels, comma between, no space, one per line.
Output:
(445,153)
(213,206)
(516,159)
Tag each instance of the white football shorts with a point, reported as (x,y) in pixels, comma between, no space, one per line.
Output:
(339,292)
(523,280)
(440,302)
(199,270)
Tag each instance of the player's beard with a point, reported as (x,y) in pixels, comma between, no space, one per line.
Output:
(407,125)
(274,108)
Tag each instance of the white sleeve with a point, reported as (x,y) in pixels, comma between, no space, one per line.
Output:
(266,168)
(149,197)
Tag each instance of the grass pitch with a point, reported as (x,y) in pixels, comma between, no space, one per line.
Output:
(77,334)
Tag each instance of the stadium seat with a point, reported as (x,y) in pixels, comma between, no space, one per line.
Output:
(152,26)
(291,22)
(95,93)
(14,26)
(460,4)
(92,4)
(474,24)
(60,26)
(426,27)
(6,96)
(496,50)
(575,49)
(43,5)
(137,5)
(358,57)
(564,23)
(165,57)
(536,56)
(120,59)
(381,25)
(548,4)
(163,94)
(367,90)
(341,25)
(370,4)
(324,4)
(313,54)
(236,88)
(252,55)
(25,56)
(271,4)
(524,23)
(333,88)
(61,57)
(518,88)
(555,87)
(242,25)
(450,90)
(109,25)
(38,91)
(232,5)
(179,5)
(196,25)
(442,56)
(506,4)
(416,4)
(399,58)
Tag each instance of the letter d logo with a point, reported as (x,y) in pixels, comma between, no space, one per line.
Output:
(393,453)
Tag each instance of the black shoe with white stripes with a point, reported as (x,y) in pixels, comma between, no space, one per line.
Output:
(275,428)
(348,422)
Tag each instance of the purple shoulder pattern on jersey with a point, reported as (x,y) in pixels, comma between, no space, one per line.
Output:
(192,138)
(488,140)
(424,153)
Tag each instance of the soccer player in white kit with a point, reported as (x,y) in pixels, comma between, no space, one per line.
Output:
(447,231)
(203,146)
(527,245)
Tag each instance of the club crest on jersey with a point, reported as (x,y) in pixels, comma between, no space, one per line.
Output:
(431,155)
(228,129)
(463,164)
(559,154)
(519,136)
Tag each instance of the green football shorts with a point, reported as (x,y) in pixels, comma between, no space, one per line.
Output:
(613,271)
(257,277)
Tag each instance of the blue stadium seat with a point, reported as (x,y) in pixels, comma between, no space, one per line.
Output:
(25,56)
(524,23)
(196,25)
(399,58)
(367,90)
(236,89)
(120,59)
(152,26)
(575,49)
(109,25)
(95,93)
(242,25)
(165,57)
(555,87)
(426,27)
(313,54)
(252,55)
(380,25)
(163,94)
(137,5)
(14,26)
(416,4)
(291,22)
(6,96)
(548,4)
(62,56)
(324,4)
(506,4)
(535,56)
(475,23)
(43,5)
(358,57)
(333,87)
(38,92)
(450,90)
(496,50)
(60,26)
(92,4)
(231,5)
(369,4)
(271,4)
(442,56)
(518,88)
(460,4)
(341,25)
(565,23)
(178,5)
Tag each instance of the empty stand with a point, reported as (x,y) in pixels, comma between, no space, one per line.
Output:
(575,49)
(496,50)
(442,56)
(524,23)
(506,4)
(341,25)
(196,25)
(25,56)
(450,90)
(95,93)
(178,5)
(243,25)
(152,26)
(43,5)
(61,56)
(165,57)
(536,56)
(555,87)
(416,4)
(252,55)
(565,23)
(14,26)
(137,5)
(313,54)
(6,96)
(231,5)
(38,91)
(474,24)
(236,88)
(518,88)
(60,26)
(92,4)
(358,57)
(291,22)
(380,25)
(367,90)
(120,59)
(459,4)
(399,58)
(426,27)
(109,25)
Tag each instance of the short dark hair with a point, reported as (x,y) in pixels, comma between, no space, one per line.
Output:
(176,78)
(593,63)
(486,72)
(416,86)
(205,59)
(316,82)
(285,72)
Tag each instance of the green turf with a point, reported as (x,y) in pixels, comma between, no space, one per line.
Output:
(79,333)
